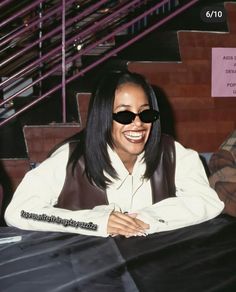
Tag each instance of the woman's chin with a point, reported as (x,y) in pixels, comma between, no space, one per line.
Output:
(136,149)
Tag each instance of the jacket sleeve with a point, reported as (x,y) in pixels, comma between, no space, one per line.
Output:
(32,205)
(195,200)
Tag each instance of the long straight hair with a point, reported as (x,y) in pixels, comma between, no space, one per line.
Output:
(98,133)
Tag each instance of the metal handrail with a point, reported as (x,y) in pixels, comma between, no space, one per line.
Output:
(4,3)
(33,24)
(89,48)
(68,42)
(21,12)
(82,51)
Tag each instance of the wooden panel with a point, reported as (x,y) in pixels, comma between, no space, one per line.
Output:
(206,115)
(225,102)
(187,90)
(191,103)
(202,136)
(14,171)
(83,103)
(206,39)
(195,53)
(231,16)
(156,67)
(181,74)
(41,139)
(198,46)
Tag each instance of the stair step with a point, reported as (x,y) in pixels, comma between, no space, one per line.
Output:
(41,139)
(158,46)
(162,73)
(205,39)
(198,45)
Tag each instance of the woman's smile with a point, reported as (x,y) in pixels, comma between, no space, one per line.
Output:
(129,139)
(135,136)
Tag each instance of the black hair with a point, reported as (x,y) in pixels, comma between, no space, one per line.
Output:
(99,128)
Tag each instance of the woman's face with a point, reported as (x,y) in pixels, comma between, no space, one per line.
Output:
(129,140)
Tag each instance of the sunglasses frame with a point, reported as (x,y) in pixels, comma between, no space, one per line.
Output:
(155,115)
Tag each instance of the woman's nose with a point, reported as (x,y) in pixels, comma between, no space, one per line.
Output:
(137,121)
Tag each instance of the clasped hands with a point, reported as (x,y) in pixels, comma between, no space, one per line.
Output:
(126,224)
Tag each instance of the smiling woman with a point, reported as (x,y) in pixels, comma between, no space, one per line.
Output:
(129,139)
(120,174)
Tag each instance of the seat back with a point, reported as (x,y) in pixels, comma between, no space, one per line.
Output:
(41,139)
(83,104)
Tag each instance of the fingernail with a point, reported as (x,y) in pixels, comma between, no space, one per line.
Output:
(142,234)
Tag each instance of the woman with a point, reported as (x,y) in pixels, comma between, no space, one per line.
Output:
(118,177)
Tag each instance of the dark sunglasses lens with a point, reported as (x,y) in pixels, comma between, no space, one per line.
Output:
(149,116)
(124,117)
(127,117)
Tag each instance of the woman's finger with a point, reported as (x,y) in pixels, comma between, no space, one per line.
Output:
(138,221)
(124,219)
(118,223)
(142,224)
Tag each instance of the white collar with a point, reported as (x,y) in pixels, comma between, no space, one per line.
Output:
(138,170)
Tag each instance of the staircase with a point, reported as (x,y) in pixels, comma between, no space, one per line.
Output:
(182,83)
(183,86)
(201,122)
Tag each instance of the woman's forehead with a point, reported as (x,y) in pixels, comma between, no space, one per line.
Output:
(130,92)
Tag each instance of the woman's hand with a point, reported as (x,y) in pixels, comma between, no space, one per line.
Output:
(126,225)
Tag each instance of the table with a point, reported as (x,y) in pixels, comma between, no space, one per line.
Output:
(195,258)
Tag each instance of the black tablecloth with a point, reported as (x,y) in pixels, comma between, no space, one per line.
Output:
(196,258)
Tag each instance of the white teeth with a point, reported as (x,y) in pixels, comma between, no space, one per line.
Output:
(134,135)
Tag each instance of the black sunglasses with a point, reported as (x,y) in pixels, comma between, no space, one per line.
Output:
(127,117)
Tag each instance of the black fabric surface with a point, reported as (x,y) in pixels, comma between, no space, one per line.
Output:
(196,258)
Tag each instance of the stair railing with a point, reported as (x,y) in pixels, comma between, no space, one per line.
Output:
(116,21)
